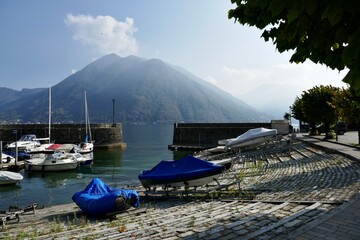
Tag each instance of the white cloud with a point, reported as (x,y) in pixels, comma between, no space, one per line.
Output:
(305,76)
(274,89)
(104,33)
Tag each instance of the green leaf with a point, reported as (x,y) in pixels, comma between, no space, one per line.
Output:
(353,79)
(335,46)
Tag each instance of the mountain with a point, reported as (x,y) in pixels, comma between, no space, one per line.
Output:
(8,95)
(145,91)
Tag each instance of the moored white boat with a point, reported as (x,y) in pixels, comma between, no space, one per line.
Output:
(86,159)
(25,142)
(44,146)
(71,149)
(85,147)
(88,145)
(54,162)
(5,158)
(7,177)
(82,160)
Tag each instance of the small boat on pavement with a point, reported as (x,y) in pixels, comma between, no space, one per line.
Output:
(7,177)
(100,200)
(55,162)
(251,137)
(188,171)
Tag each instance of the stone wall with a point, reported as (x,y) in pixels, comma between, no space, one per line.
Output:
(105,135)
(204,135)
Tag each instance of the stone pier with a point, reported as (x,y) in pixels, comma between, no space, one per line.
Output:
(105,135)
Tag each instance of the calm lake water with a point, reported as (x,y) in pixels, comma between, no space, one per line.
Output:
(146,146)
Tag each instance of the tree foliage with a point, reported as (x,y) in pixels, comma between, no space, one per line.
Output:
(323,31)
(347,107)
(314,107)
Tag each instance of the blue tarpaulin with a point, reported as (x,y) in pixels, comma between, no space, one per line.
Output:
(179,170)
(98,199)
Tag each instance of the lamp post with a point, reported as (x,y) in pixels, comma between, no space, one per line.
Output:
(113,101)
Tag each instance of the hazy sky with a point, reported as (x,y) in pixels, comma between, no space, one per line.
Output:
(43,42)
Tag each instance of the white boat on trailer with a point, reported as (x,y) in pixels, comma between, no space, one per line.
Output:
(185,172)
(252,137)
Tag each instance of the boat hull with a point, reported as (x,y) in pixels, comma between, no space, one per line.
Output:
(252,137)
(51,168)
(185,182)
(251,142)
(51,164)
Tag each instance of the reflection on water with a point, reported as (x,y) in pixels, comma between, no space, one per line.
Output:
(146,146)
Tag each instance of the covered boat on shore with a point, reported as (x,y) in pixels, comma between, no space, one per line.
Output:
(99,200)
(251,137)
(188,171)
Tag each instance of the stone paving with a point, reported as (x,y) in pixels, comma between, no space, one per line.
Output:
(308,193)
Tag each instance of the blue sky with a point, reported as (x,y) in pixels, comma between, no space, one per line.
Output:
(43,42)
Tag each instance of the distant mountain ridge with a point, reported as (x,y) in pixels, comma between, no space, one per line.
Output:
(8,95)
(145,91)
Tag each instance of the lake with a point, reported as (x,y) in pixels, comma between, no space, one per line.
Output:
(146,146)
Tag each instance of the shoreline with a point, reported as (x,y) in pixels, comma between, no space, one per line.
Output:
(280,194)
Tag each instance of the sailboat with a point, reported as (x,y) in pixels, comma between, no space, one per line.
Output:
(88,145)
(46,146)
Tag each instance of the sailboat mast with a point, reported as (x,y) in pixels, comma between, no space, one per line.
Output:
(49,114)
(86,120)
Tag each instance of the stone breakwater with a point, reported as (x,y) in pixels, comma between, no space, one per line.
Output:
(104,135)
(274,195)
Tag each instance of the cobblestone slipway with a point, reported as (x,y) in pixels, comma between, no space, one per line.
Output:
(274,195)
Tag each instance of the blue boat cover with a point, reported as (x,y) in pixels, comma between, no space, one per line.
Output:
(185,168)
(98,199)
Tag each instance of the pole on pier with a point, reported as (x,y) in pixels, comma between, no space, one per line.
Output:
(113,112)
(1,154)
(16,148)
